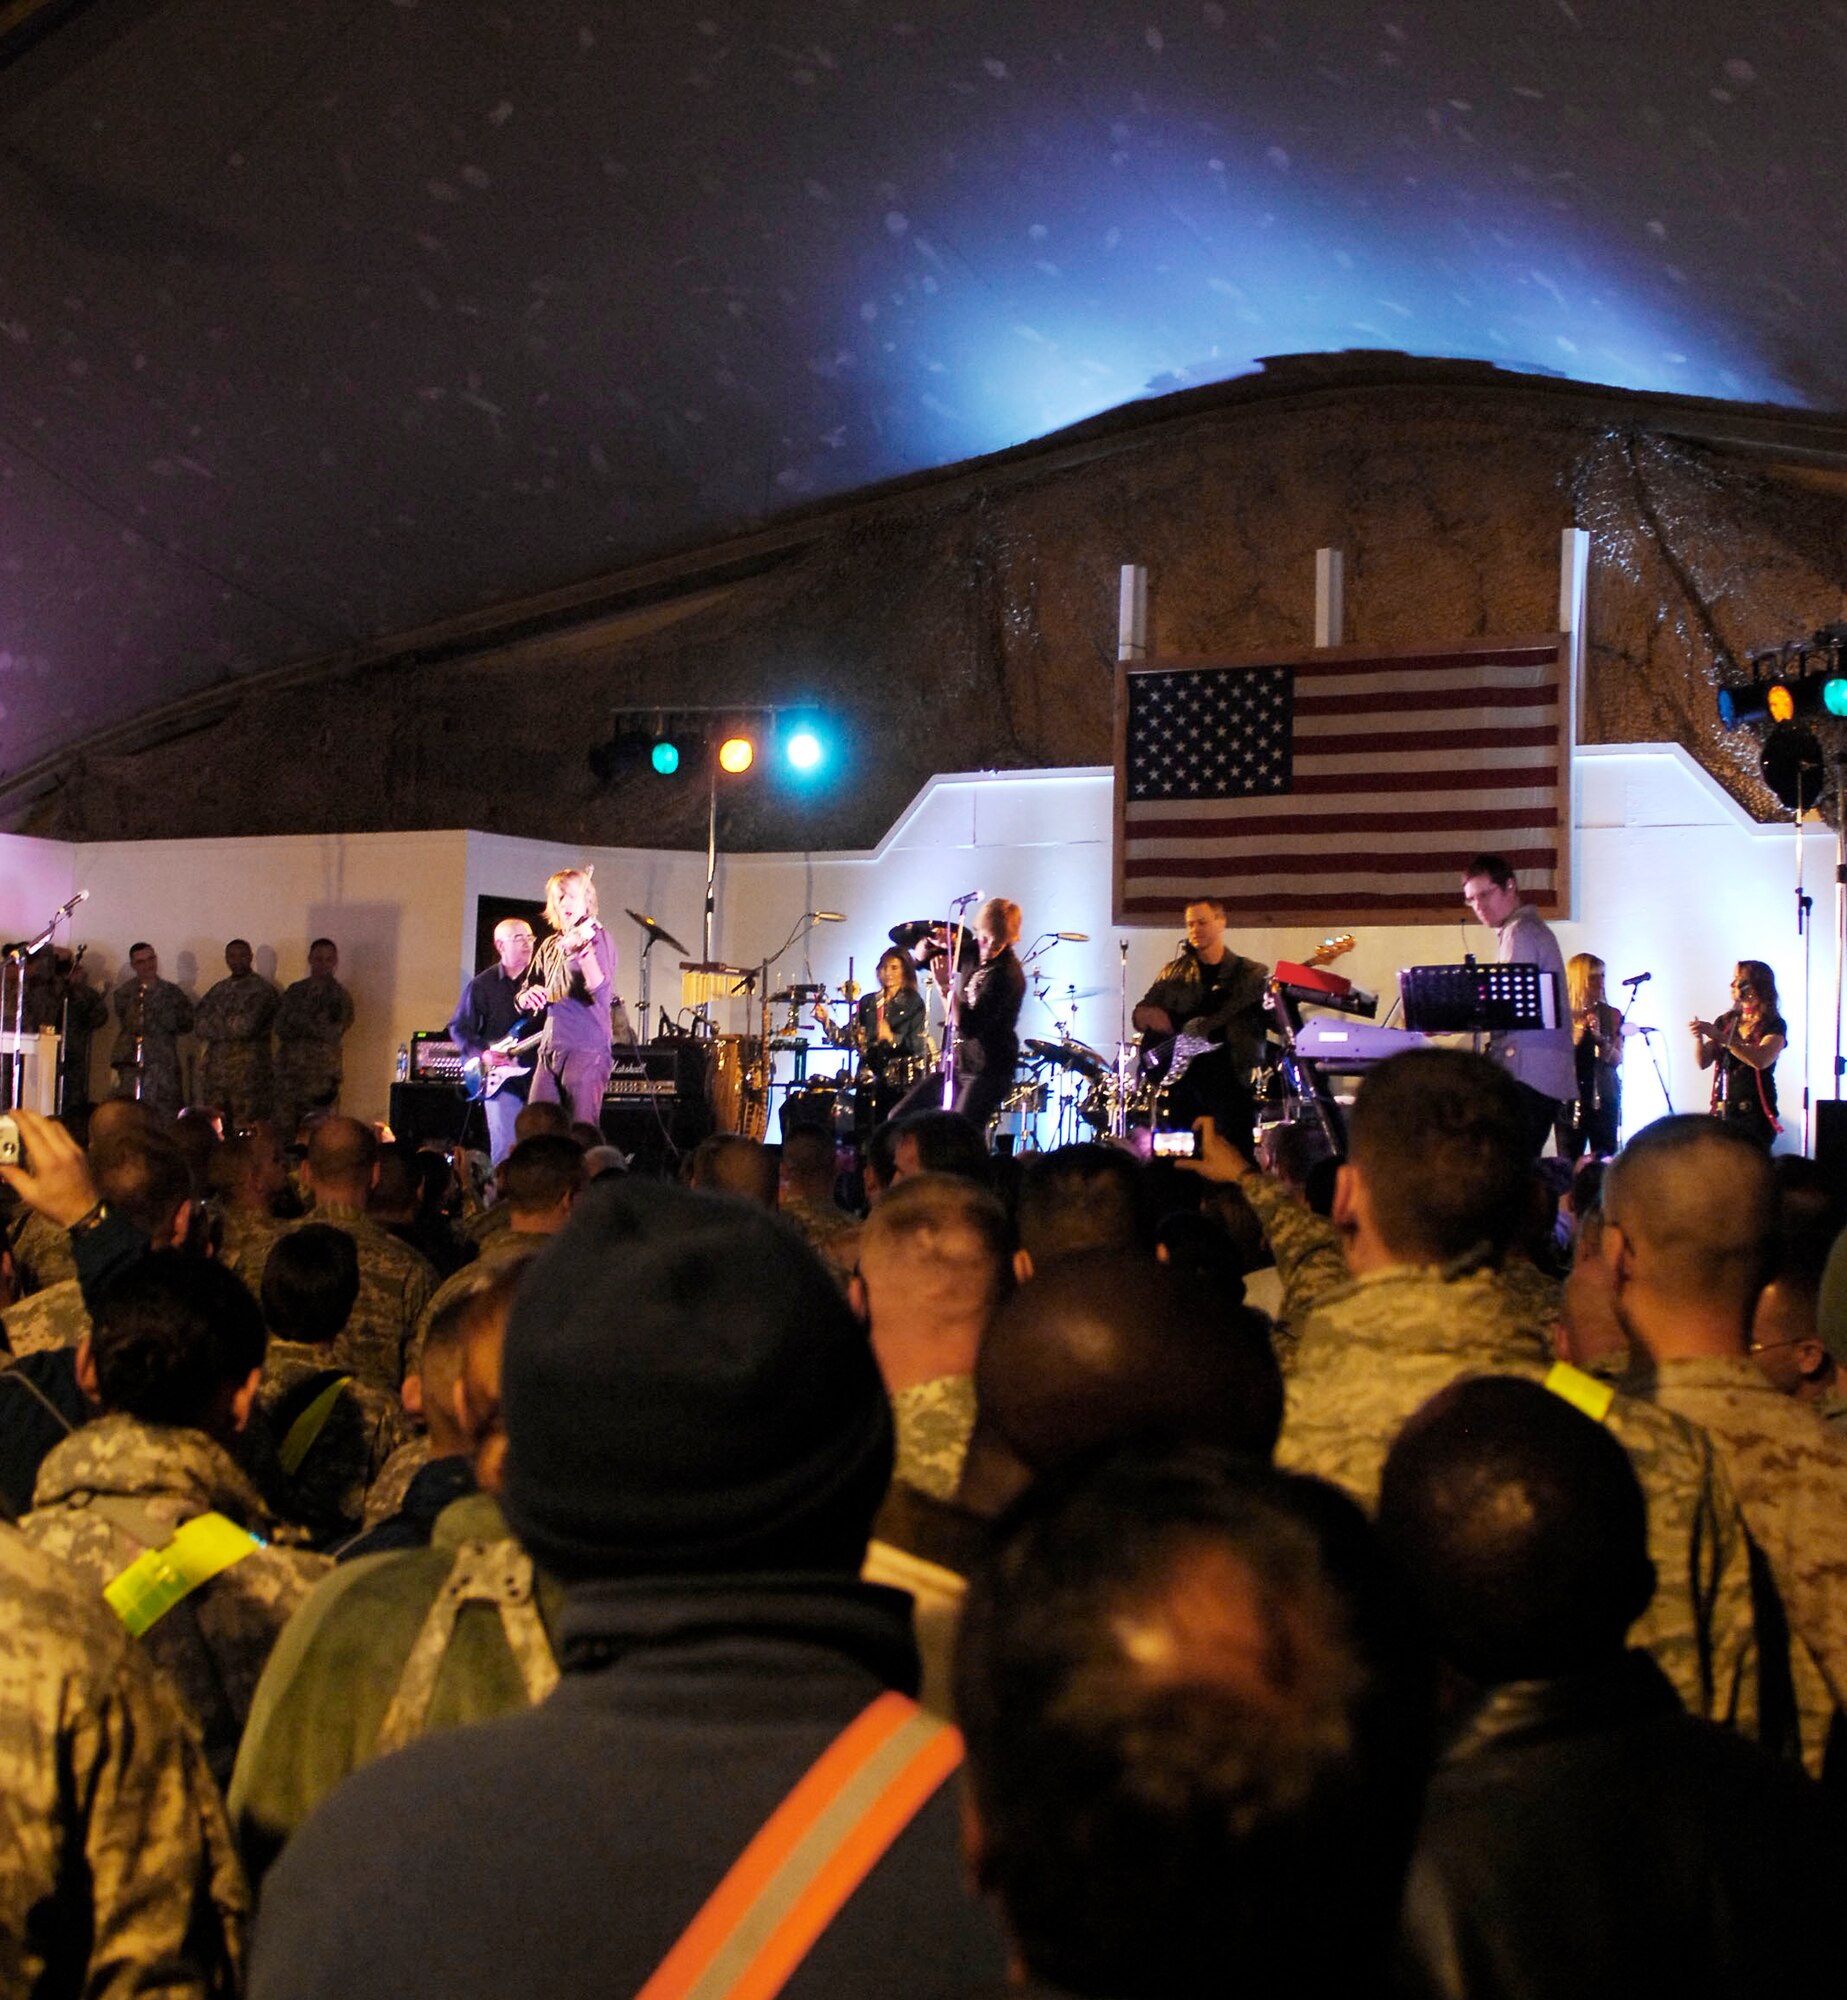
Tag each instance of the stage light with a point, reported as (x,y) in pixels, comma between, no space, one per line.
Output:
(736,754)
(1793,766)
(804,750)
(1744,702)
(665,757)
(1780,701)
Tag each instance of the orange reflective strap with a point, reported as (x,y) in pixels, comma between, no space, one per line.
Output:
(810,1855)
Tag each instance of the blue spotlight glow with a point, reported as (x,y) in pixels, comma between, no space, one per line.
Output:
(804,751)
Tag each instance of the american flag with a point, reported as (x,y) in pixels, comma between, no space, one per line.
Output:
(1339,784)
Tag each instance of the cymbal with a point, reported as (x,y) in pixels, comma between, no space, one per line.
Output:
(657,933)
(1075,992)
(1070,1055)
(908,936)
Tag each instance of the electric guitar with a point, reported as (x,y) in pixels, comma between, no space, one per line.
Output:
(1165,1059)
(482,1079)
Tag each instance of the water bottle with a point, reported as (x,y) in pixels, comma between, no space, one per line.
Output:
(403,1062)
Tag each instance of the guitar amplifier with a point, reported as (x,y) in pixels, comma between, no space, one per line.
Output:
(655,1105)
(434,1058)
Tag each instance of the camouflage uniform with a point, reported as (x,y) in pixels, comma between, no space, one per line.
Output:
(244,1243)
(327,1491)
(313,1016)
(932,1422)
(1789,1467)
(233,1020)
(332,1683)
(386,1493)
(118,1487)
(160,1016)
(1832,1410)
(55,1317)
(119,1876)
(395,1284)
(502,1247)
(41,1252)
(1378,1348)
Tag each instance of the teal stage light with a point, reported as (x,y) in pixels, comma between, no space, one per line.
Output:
(804,751)
(665,757)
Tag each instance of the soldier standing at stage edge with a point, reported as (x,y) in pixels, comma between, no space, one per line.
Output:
(315,1013)
(59,996)
(234,1021)
(151,1015)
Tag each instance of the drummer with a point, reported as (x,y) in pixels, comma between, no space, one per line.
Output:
(888,1024)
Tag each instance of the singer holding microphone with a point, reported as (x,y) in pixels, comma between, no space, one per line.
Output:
(574,983)
(1741,1047)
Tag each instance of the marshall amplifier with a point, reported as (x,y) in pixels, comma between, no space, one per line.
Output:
(654,1105)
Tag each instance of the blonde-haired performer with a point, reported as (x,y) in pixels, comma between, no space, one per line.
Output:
(985,1004)
(575,982)
(1597,1042)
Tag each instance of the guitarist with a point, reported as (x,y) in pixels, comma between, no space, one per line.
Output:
(1209,992)
(487,1013)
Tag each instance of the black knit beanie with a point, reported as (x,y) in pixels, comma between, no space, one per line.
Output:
(686,1392)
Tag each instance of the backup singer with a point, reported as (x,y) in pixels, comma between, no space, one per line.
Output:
(1742,1045)
(1597,1032)
(575,983)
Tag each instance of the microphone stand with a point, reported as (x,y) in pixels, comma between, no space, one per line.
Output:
(952,930)
(17,956)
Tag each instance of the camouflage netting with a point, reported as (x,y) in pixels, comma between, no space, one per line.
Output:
(970,621)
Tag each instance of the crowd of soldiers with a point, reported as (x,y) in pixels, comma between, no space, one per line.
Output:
(264,1053)
(1334,1570)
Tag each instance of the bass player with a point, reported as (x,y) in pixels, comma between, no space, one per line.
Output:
(1208,994)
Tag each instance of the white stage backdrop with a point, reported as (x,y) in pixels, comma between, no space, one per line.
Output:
(1671,879)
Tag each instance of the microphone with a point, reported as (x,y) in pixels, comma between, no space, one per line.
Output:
(1072,937)
(64,909)
(1640,979)
(828,916)
(962,902)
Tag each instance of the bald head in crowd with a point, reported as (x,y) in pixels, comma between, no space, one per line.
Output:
(935,1260)
(1109,1349)
(1689,1227)
(342,1161)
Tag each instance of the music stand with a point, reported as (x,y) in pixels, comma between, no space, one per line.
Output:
(1478,999)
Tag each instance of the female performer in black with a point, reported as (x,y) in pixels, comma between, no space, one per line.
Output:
(984,1005)
(1597,1038)
(1743,1045)
(891,1033)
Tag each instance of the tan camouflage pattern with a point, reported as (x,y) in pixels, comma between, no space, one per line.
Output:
(329,1683)
(244,1243)
(1380,1347)
(55,1317)
(1309,1258)
(387,1492)
(211,1646)
(233,1020)
(1789,1467)
(396,1283)
(500,1574)
(933,1422)
(119,1878)
(485,1223)
(1832,1410)
(327,1491)
(829,1231)
(501,1246)
(311,1018)
(41,1253)
(160,1016)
